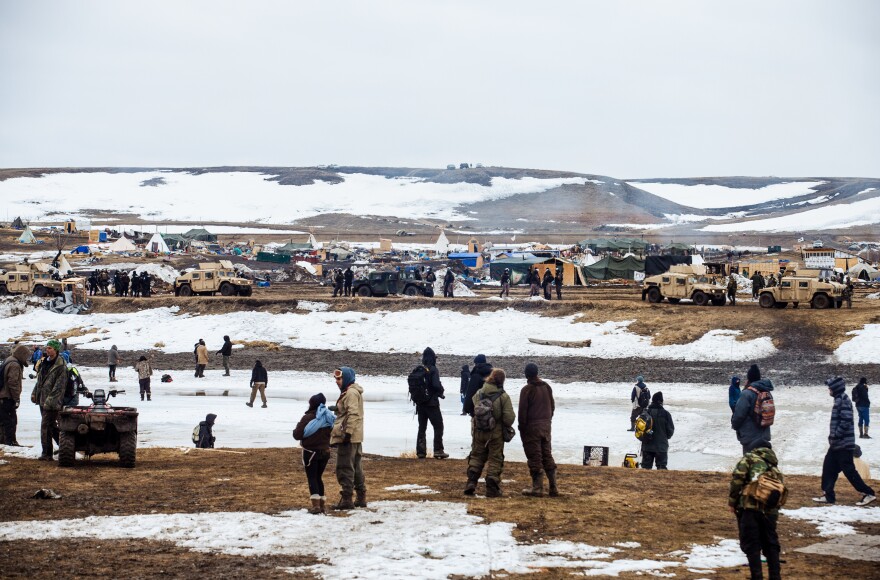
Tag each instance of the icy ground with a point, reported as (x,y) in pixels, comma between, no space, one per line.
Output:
(586,414)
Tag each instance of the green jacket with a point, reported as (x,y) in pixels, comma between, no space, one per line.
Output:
(752,465)
(502,408)
(51,383)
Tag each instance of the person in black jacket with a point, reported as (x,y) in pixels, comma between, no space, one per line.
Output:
(206,432)
(558,281)
(259,380)
(348,280)
(448,283)
(430,410)
(479,374)
(658,447)
(546,282)
(316,449)
(462,389)
(863,406)
(226,352)
(505,283)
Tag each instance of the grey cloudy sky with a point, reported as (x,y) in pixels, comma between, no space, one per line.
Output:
(622,88)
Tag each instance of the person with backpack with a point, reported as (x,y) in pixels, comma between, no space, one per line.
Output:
(48,394)
(347,437)
(201,355)
(841,444)
(640,398)
(11,379)
(754,411)
(493,414)
(658,432)
(144,371)
(536,408)
(313,433)
(479,374)
(259,380)
(757,491)
(426,390)
(75,384)
(113,359)
(863,406)
(226,352)
(204,438)
(733,393)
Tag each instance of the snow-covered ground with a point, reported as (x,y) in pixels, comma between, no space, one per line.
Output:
(838,216)
(249,197)
(586,414)
(718,196)
(863,348)
(179,229)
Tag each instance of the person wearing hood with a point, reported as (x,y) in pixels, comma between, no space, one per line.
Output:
(536,408)
(479,373)
(748,428)
(201,354)
(756,521)
(226,352)
(663,428)
(206,432)
(347,437)
(313,433)
(733,393)
(640,398)
(144,371)
(10,393)
(48,394)
(448,283)
(841,444)
(430,409)
(505,283)
(863,406)
(488,446)
(259,380)
(113,359)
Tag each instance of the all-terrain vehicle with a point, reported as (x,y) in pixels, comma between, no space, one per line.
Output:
(388,283)
(797,289)
(37,279)
(98,428)
(684,281)
(211,278)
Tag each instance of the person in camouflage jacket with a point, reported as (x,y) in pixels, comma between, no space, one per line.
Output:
(756,522)
(48,394)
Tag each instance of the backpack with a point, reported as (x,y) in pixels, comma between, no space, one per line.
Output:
(768,490)
(418,385)
(70,389)
(484,418)
(166,378)
(765,408)
(645,427)
(644,397)
(2,374)
(196,430)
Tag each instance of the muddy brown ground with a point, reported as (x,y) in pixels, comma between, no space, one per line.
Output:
(664,511)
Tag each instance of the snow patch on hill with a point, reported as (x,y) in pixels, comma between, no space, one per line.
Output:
(718,196)
(829,217)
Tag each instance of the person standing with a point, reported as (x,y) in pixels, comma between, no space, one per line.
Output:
(201,353)
(733,393)
(757,284)
(226,352)
(448,283)
(430,278)
(348,436)
(640,398)
(487,446)
(338,282)
(505,284)
(144,371)
(534,283)
(756,520)
(731,290)
(113,359)
(841,444)
(430,410)
(863,406)
(10,393)
(848,291)
(546,282)
(48,393)
(536,408)
(313,433)
(348,280)
(747,425)
(463,385)
(479,374)
(259,380)
(558,282)
(657,447)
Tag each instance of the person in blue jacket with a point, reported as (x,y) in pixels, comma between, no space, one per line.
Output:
(733,393)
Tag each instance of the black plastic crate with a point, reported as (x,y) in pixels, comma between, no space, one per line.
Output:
(596,456)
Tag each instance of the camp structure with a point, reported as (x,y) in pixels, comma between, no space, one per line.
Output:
(441,246)
(17,224)
(314,243)
(469,259)
(678,249)
(660,264)
(610,268)
(27,237)
(123,244)
(519,267)
(614,245)
(571,272)
(200,234)
(157,245)
(176,242)
(864,271)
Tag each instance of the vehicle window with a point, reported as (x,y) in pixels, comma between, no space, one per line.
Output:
(804,284)
(209,275)
(679,281)
(23,277)
(196,276)
(786,284)
(666,279)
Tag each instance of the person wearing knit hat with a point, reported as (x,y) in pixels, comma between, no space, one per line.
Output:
(348,437)
(536,408)
(748,429)
(487,446)
(753,374)
(863,406)
(48,393)
(479,374)
(663,428)
(841,443)
(313,433)
(428,410)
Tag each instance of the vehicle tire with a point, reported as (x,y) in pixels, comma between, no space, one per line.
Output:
(674,300)
(245,291)
(780,305)
(227,289)
(654,295)
(365,291)
(700,298)
(66,449)
(719,301)
(3,290)
(127,448)
(820,301)
(411,291)
(41,291)
(185,290)
(766,300)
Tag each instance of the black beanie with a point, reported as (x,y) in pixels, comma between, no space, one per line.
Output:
(754,374)
(531,371)
(480,358)
(316,400)
(658,397)
(837,385)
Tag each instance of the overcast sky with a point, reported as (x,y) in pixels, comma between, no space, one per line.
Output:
(622,88)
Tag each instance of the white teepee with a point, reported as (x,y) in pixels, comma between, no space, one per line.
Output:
(442,244)
(157,244)
(123,244)
(27,237)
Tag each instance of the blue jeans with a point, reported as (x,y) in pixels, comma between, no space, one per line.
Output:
(863,416)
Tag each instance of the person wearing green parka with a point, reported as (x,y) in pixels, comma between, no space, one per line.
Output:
(48,394)
(488,446)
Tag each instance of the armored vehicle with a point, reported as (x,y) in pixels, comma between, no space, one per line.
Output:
(98,428)
(797,289)
(37,279)
(684,281)
(388,283)
(211,278)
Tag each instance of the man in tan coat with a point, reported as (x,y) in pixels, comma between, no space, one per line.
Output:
(48,394)
(201,358)
(10,394)
(347,436)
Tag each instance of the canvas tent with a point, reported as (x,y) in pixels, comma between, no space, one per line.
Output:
(314,243)
(123,244)
(659,264)
(609,268)
(18,224)
(441,246)
(519,267)
(27,237)
(614,245)
(200,234)
(291,247)
(864,272)
(157,244)
(64,266)
(176,241)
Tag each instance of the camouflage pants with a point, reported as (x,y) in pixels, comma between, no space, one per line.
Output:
(349,473)
(487,447)
(48,430)
(536,445)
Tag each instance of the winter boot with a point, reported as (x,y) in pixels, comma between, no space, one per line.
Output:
(440,454)
(861,432)
(755,566)
(361,500)
(773,570)
(323,503)
(551,478)
(537,489)
(142,396)
(471,487)
(493,487)
(316,505)
(249,404)
(264,405)
(149,397)
(344,501)
(866,433)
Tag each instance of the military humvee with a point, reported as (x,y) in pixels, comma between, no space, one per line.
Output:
(798,289)
(684,281)
(37,279)
(211,278)
(387,283)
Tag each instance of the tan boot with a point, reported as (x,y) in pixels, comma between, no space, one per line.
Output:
(323,504)
(344,502)
(551,477)
(316,505)
(537,489)
(361,500)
